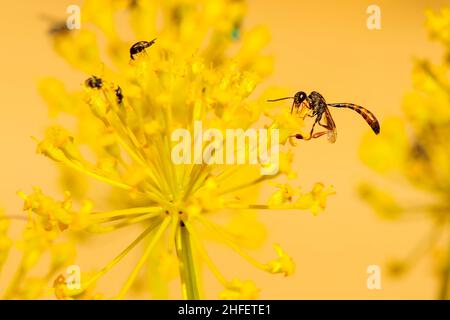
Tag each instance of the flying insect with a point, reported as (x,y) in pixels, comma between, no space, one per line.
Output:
(315,106)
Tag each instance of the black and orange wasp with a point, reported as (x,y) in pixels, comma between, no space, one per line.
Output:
(314,105)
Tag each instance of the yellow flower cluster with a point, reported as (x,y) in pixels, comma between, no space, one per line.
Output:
(5,241)
(417,148)
(40,237)
(202,67)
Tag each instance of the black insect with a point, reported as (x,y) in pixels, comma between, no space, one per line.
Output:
(139,47)
(315,106)
(119,95)
(133,4)
(94,82)
(58,28)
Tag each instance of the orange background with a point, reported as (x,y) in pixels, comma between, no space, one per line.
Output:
(318,45)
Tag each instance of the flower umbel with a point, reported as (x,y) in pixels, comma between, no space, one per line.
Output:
(195,71)
(417,148)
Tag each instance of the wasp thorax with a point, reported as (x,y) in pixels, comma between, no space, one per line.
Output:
(316,97)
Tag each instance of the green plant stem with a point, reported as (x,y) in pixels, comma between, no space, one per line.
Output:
(188,273)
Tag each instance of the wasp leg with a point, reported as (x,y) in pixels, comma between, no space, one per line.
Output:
(313,136)
(295,106)
(319,134)
(308,115)
(300,137)
(326,126)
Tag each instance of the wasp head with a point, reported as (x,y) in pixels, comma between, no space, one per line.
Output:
(299,97)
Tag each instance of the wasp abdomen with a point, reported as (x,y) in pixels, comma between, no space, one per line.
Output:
(366,114)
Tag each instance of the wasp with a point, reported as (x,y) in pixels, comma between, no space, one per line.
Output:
(315,106)
(139,47)
(94,82)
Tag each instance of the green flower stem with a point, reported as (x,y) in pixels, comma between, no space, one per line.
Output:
(188,273)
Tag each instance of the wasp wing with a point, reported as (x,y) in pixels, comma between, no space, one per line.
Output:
(327,122)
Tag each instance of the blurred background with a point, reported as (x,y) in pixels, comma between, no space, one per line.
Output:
(323,46)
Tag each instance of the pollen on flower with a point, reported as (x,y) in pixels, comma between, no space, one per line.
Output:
(54,214)
(315,200)
(283,264)
(281,196)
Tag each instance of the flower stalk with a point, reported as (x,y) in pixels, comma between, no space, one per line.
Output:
(188,272)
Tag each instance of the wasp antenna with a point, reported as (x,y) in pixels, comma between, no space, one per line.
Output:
(280,99)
